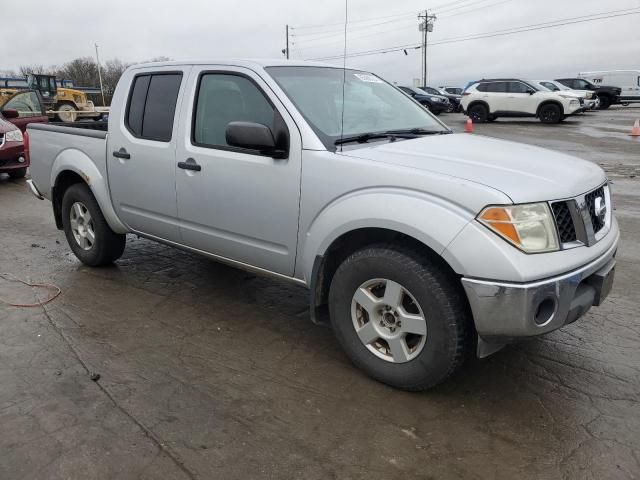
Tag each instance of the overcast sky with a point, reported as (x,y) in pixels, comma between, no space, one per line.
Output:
(135,30)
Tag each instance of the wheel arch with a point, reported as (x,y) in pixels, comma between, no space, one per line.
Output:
(479,102)
(550,102)
(73,166)
(326,265)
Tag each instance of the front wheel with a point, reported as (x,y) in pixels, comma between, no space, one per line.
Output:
(605,102)
(550,114)
(67,112)
(399,317)
(87,232)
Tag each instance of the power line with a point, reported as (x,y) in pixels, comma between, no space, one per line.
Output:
(522,29)
(350,38)
(464,12)
(364,20)
(469,4)
(336,33)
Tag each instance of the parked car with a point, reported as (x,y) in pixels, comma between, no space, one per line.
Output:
(490,99)
(591,100)
(436,104)
(627,80)
(453,90)
(608,95)
(22,108)
(12,157)
(419,246)
(454,100)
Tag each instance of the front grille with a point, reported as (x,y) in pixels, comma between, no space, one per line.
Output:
(566,228)
(590,200)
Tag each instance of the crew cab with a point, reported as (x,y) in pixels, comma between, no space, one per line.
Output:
(418,246)
(628,81)
(490,99)
(608,95)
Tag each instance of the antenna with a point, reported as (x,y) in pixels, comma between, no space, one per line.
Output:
(344,68)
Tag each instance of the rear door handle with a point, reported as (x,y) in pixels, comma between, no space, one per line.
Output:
(190,164)
(122,153)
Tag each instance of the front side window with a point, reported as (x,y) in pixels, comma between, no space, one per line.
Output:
(370,103)
(224,98)
(518,87)
(152,105)
(27,104)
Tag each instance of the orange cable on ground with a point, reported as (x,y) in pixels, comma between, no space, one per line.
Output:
(13,278)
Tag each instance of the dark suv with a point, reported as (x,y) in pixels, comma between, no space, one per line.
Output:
(608,95)
(436,104)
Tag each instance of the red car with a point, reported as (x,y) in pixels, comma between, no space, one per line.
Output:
(16,112)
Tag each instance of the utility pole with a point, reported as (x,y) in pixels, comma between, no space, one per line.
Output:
(287,33)
(100,76)
(425,27)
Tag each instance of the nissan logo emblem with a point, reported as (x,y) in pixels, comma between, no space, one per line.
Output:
(600,209)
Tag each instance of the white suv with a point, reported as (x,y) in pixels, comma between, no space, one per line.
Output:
(487,100)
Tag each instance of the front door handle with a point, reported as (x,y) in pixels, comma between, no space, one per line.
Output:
(190,164)
(122,153)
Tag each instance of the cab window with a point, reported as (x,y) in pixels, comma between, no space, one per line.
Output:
(223,98)
(27,104)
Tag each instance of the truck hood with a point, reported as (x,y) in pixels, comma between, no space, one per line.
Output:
(523,172)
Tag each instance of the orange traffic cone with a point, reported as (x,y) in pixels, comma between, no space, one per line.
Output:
(635,131)
(469,126)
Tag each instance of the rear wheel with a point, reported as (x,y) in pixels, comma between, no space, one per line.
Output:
(399,317)
(18,173)
(478,113)
(550,113)
(87,232)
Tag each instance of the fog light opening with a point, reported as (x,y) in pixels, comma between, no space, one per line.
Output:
(544,312)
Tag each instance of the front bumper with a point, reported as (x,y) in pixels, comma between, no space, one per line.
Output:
(505,311)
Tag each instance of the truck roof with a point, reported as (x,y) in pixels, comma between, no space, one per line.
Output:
(237,62)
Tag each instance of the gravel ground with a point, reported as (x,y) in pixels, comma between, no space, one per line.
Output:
(210,372)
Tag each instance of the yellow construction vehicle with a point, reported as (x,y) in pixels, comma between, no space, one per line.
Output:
(62,103)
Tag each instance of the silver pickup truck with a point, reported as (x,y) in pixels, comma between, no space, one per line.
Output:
(419,246)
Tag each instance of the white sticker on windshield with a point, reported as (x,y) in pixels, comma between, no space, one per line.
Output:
(368,78)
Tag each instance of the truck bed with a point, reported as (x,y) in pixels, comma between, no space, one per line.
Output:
(56,146)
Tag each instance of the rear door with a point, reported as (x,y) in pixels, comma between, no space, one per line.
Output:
(30,109)
(141,152)
(496,95)
(241,204)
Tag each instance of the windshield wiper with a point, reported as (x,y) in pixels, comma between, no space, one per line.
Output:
(418,131)
(365,137)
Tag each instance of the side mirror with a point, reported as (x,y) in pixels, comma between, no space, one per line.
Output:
(531,91)
(10,113)
(253,136)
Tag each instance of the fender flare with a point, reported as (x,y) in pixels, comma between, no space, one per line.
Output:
(76,161)
(431,220)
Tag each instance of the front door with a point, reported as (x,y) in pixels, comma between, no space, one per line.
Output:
(141,153)
(239,204)
(520,98)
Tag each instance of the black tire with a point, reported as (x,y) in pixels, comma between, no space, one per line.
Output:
(605,101)
(550,113)
(108,245)
(17,173)
(478,113)
(440,298)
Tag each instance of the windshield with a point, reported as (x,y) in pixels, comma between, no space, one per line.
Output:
(543,86)
(431,90)
(370,104)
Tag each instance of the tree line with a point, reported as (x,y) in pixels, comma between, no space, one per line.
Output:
(84,73)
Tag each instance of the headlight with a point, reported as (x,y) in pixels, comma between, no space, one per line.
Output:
(13,136)
(530,227)
(574,102)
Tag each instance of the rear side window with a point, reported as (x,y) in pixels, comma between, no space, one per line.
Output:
(152,105)
(494,87)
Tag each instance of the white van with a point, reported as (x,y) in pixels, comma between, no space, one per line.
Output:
(627,80)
